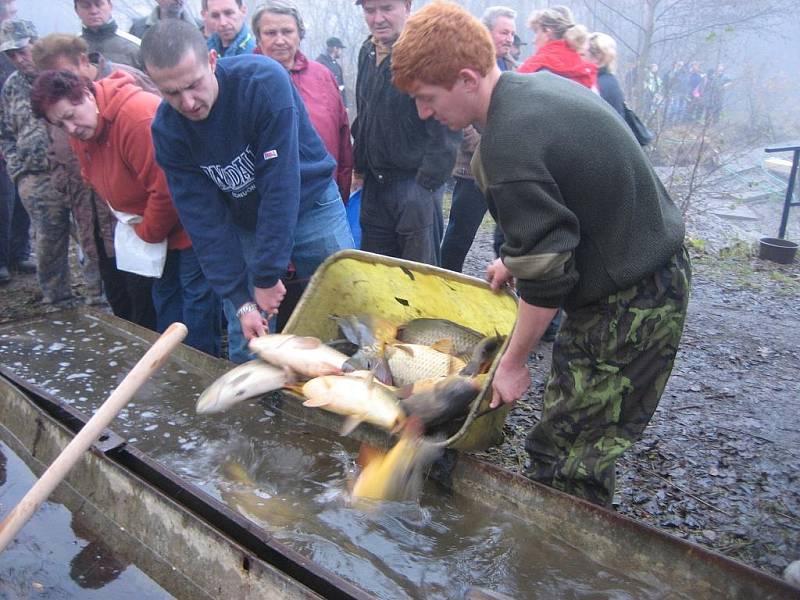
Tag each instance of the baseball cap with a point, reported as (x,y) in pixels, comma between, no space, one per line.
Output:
(15,34)
(518,41)
(334,42)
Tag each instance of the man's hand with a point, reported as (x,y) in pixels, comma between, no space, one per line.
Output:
(498,275)
(511,380)
(253,325)
(269,299)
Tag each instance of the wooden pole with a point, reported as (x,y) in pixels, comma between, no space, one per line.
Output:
(57,471)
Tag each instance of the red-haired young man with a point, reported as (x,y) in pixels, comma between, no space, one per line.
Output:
(589,228)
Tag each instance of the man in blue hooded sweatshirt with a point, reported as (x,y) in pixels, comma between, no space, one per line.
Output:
(250,177)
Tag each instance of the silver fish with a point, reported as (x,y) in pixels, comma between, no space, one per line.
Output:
(248,380)
(303,355)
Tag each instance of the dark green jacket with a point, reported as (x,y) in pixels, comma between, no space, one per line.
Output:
(583,212)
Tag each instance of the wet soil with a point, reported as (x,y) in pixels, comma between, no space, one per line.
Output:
(718,465)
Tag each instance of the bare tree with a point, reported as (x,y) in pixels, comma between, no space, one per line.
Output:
(652,30)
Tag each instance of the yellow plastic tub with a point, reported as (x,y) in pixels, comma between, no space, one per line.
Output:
(355,282)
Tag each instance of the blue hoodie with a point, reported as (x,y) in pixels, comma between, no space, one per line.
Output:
(255,162)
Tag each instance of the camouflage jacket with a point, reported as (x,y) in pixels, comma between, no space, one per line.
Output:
(24,140)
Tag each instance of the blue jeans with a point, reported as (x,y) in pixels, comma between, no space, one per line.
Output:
(402,219)
(15,225)
(321,230)
(466,214)
(183,294)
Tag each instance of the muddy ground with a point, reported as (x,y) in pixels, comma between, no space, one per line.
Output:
(718,465)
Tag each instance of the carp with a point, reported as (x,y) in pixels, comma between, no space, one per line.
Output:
(358,399)
(429,332)
(445,401)
(411,362)
(245,381)
(361,329)
(370,334)
(302,355)
(482,355)
(243,495)
(397,474)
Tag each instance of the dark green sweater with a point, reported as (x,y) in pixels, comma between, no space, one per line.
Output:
(583,212)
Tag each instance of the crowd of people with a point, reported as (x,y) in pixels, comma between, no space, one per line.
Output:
(686,93)
(207,164)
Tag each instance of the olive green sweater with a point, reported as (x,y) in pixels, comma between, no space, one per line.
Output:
(583,212)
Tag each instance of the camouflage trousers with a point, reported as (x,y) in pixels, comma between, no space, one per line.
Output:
(611,361)
(92,218)
(50,215)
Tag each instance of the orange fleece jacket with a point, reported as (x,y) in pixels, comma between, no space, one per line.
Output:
(119,160)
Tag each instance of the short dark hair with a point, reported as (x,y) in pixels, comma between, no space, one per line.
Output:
(168,41)
(53,86)
(204,4)
(75,3)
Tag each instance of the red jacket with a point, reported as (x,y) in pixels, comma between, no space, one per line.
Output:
(119,160)
(557,57)
(320,94)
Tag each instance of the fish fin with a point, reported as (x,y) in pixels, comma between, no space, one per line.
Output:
(366,454)
(404,348)
(294,387)
(444,345)
(330,370)
(456,366)
(382,372)
(470,370)
(347,329)
(316,402)
(307,342)
(405,391)
(349,425)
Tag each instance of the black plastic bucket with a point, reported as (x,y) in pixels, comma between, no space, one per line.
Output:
(777,250)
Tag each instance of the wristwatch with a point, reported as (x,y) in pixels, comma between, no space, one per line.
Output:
(247,307)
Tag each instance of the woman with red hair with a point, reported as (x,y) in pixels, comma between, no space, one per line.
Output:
(559,42)
(108,122)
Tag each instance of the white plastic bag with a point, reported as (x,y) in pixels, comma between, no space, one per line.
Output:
(133,254)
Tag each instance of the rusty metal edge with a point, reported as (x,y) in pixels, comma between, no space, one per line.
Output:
(771,584)
(240,529)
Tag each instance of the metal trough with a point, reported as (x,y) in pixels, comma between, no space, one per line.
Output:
(175,547)
(681,569)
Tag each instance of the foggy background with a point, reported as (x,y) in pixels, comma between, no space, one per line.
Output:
(756,40)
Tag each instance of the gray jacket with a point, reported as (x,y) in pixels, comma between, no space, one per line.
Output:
(142,24)
(116,45)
